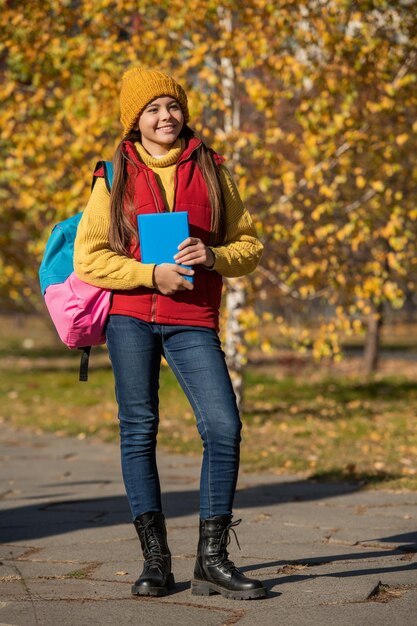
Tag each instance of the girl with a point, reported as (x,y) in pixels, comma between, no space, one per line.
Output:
(160,165)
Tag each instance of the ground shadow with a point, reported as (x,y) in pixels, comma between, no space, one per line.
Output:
(62,514)
(289,571)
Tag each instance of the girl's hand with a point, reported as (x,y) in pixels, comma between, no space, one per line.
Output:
(192,251)
(169,278)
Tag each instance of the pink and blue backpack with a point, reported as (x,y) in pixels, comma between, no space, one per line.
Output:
(78,310)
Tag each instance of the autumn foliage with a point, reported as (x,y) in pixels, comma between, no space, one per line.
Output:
(314,105)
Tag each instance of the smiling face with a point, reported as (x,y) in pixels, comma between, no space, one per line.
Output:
(160,123)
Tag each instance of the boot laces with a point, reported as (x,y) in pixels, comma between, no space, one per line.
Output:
(152,548)
(224,541)
(225,538)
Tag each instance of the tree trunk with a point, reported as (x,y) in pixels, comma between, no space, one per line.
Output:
(371,351)
(236,295)
(235,302)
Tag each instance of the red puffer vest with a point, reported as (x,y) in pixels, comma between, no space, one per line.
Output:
(199,307)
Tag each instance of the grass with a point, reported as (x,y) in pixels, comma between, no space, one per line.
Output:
(337,428)
(322,425)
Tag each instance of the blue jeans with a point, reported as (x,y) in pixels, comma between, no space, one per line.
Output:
(197,360)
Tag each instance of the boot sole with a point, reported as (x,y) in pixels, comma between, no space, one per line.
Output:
(139,590)
(204,588)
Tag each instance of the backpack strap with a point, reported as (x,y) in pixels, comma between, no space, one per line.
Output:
(85,356)
(103,169)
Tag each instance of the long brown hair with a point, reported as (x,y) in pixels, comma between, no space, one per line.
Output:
(122,224)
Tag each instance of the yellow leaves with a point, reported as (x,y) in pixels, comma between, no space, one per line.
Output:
(339,119)
(344,232)
(397,243)
(308,270)
(373,107)
(392,293)
(267,316)
(361,305)
(265,183)
(318,212)
(298,228)
(384,104)
(377,185)
(393,227)
(401,139)
(326,191)
(370,287)
(267,347)
(360,182)
(324,231)
(28,180)
(391,168)
(306,291)
(8,89)
(288,181)
(8,271)
(77,188)
(272,135)
(258,92)
(16,19)
(26,200)
(340,279)
(326,344)
(323,265)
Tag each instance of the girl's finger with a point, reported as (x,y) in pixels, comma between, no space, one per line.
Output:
(191,251)
(190,256)
(190,241)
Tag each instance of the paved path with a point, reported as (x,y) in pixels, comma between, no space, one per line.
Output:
(329,554)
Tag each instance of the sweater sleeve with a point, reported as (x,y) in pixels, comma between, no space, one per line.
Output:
(242,250)
(94,261)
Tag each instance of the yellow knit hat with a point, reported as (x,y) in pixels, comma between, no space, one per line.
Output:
(140,86)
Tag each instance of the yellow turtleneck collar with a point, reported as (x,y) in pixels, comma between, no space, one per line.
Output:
(168,159)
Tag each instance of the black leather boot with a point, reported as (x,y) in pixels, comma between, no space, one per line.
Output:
(156,577)
(214,572)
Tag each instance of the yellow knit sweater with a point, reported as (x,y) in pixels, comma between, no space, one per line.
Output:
(96,263)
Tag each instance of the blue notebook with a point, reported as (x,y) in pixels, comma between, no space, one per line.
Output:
(160,235)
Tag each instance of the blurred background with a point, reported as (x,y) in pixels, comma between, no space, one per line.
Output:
(314,106)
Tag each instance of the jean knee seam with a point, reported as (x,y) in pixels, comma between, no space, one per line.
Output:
(201,412)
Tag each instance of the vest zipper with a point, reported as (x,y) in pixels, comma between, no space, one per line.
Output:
(175,187)
(152,191)
(176,173)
